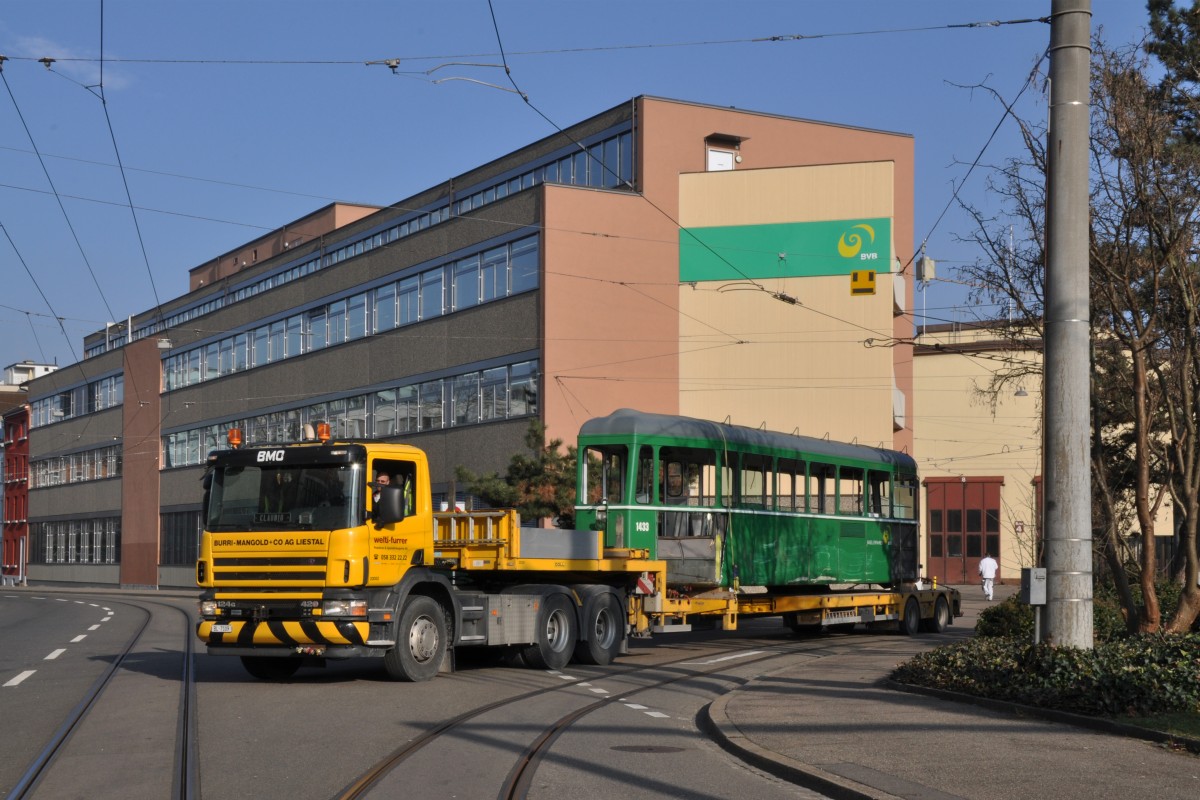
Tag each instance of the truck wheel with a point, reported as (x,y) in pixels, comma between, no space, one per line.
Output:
(910,623)
(941,617)
(268,668)
(555,632)
(420,641)
(604,624)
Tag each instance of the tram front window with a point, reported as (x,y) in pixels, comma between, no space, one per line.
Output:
(605,474)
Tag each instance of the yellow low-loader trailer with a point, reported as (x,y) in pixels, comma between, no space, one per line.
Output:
(309,553)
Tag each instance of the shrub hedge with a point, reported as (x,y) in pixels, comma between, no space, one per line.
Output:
(1136,676)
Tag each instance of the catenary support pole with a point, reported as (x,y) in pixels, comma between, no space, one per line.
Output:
(1068,508)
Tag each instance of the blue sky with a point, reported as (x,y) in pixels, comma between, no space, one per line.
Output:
(233,118)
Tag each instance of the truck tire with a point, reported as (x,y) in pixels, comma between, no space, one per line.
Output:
(910,622)
(941,617)
(604,624)
(420,641)
(268,668)
(555,632)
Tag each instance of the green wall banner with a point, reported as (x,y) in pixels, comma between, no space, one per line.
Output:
(785,250)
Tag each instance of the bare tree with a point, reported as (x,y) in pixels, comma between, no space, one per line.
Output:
(1144,199)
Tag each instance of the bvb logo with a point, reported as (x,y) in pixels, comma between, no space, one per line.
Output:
(852,241)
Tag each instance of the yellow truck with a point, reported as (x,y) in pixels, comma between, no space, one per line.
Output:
(332,550)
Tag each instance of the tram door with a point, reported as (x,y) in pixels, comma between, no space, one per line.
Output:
(962,522)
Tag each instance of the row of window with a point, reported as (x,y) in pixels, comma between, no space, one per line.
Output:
(479,278)
(685,476)
(605,164)
(95,396)
(77,541)
(89,465)
(16,507)
(14,430)
(502,392)
(179,538)
(16,467)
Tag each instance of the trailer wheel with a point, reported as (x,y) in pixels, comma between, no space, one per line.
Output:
(555,632)
(420,641)
(604,624)
(941,617)
(910,623)
(268,668)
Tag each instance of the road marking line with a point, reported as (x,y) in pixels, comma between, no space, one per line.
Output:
(733,657)
(55,654)
(106,619)
(636,707)
(94,627)
(598,690)
(79,638)
(658,714)
(21,677)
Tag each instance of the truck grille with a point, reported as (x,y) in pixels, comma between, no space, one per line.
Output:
(269,569)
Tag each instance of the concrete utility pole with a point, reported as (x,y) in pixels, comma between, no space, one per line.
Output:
(1068,497)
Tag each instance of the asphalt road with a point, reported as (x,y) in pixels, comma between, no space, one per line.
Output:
(635,734)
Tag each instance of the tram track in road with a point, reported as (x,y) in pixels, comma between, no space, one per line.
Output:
(185,773)
(525,765)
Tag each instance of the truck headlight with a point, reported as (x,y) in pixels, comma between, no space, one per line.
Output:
(208,608)
(344,608)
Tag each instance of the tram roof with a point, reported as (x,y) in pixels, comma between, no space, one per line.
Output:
(629,422)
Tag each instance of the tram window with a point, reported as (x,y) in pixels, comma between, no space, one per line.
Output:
(706,491)
(790,491)
(727,481)
(644,491)
(904,501)
(674,487)
(880,496)
(821,496)
(752,487)
(850,490)
(604,473)
(688,476)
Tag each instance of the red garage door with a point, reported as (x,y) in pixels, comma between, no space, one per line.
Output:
(962,522)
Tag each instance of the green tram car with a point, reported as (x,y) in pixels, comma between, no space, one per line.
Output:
(733,507)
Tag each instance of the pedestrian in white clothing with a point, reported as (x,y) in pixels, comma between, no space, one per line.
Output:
(987,571)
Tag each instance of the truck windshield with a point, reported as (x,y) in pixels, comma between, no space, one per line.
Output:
(275,498)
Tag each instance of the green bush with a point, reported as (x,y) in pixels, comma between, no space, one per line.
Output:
(1010,617)
(1137,675)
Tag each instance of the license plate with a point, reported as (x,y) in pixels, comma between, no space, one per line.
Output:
(222,627)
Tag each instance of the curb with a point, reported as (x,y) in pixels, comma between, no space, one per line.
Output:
(715,722)
(1098,724)
(140,591)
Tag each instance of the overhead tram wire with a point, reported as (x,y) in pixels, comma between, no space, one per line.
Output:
(773,39)
(778,295)
(756,40)
(61,206)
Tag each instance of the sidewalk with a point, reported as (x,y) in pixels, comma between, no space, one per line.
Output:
(834,725)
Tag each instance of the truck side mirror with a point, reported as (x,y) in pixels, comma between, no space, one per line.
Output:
(389,508)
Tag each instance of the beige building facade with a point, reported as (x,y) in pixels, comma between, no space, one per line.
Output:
(979,449)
